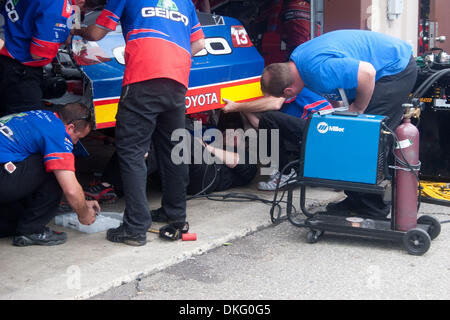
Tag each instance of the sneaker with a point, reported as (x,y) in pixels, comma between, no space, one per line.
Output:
(271,184)
(122,236)
(46,238)
(102,192)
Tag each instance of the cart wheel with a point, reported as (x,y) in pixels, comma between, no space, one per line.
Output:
(434,228)
(313,236)
(416,241)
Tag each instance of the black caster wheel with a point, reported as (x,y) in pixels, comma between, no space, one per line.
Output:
(434,228)
(313,236)
(416,241)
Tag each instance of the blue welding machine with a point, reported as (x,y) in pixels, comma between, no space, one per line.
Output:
(345,147)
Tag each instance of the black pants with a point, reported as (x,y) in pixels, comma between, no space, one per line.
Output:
(290,132)
(389,94)
(150,110)
(20,86)
(111,173)
(29,197)
(218,177)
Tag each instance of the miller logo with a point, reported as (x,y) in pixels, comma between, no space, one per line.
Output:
(323,128)
(166,9)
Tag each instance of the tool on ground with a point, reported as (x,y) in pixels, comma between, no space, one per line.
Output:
(173,231)
(189,236)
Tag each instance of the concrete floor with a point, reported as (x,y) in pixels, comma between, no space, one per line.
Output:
(88,264)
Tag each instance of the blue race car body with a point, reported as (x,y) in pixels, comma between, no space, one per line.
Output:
(229,67)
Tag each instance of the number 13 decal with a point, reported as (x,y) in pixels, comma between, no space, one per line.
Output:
(240,37)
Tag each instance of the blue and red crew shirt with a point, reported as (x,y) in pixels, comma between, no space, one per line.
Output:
(305,103)
(158,36)
(36,132)
(331,61)
(35,27)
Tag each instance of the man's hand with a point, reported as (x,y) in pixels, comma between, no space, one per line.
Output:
(230,106)
(93,210)
(94,205)
(86,210)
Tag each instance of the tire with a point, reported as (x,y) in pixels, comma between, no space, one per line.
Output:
(313,236)
(416,241)
(434,228)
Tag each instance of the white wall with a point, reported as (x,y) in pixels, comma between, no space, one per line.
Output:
(405,26)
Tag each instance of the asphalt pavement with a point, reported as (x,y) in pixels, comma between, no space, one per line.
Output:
(277,263)
(238,254)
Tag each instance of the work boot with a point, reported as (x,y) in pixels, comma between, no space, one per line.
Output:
(46,238)
(121,235)
(345,206)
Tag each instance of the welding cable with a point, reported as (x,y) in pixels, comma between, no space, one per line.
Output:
(430,80)
(275,203)
(428,83)
(200,193)
(440,191)
(241,197)
(247,197)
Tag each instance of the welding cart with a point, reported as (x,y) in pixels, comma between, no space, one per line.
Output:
(348,151)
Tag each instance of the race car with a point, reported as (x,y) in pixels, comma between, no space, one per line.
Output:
(229,67)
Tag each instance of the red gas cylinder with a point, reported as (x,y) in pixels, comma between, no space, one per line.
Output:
(406,181)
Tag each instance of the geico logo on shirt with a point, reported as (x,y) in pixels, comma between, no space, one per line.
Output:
(11,11)
(6,131)
(149,12)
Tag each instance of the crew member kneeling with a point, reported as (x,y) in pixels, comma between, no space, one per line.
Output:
(36,164)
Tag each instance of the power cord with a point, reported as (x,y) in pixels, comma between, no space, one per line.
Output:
(247,197)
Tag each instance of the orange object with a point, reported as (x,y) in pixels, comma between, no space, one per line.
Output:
(189,236)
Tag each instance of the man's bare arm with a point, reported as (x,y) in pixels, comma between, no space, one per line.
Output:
(366,85)
(267,103)
(91,33)
(197,45)
(86,210)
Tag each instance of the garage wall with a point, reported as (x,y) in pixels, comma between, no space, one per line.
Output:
(345,14)
(405,26)
(372,15)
